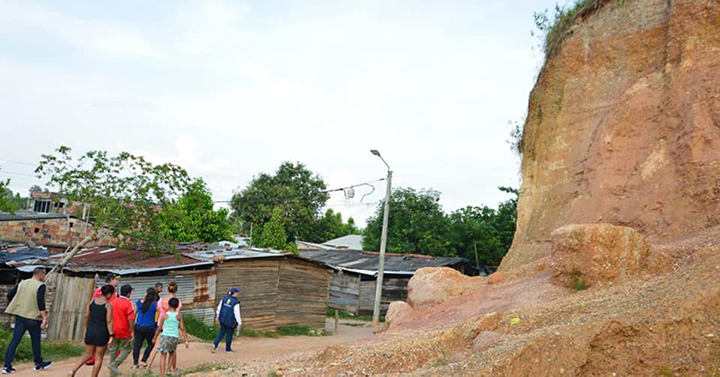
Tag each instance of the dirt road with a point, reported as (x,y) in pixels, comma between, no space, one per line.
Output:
(246,349)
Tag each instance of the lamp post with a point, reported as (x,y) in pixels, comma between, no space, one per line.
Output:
(383,245)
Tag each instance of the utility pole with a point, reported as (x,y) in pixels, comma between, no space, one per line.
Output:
(383,245)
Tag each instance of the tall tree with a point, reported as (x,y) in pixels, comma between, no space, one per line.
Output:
(294,189)
(273,235)
(192,217)
(417,224)
(473,230)
(124,194)
(331,226)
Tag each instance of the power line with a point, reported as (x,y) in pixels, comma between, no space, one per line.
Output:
(16,173)
(324,191)
(18,162)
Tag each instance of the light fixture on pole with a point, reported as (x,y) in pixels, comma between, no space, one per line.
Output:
(383,244)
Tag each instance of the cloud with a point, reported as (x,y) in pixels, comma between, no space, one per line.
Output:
(104,38)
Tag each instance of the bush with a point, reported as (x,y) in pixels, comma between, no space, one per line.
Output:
(199,329)
(205,332)
(50,350)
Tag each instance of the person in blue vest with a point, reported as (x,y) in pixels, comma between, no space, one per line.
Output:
(228,316)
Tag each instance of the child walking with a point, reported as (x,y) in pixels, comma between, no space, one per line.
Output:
(169,327)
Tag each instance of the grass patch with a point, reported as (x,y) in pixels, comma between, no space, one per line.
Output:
(666,372)
(250,333)
(299,331)
(556,26)
(50,350)
(200,329)
(207,333)
(578,283)
(345,315)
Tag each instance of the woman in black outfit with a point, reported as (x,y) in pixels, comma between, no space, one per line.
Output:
(98,322)
(145,327)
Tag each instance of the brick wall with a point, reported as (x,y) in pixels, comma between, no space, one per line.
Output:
(48,232)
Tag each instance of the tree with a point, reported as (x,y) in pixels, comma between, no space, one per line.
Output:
(506,219)
(192,217)
(294,189)
(417,224)
(486,230)
(473,230)
(273,235)
(6,203)
(124,193)
(331,226)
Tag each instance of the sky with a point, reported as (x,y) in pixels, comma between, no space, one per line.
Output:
(230,89)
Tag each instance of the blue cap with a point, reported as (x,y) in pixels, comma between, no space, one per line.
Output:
(234,290)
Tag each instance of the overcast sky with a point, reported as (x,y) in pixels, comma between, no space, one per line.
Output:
(228,89)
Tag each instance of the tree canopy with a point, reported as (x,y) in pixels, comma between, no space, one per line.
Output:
(299,195)
(124,194)
(273,235)
(192,217)
(417,224)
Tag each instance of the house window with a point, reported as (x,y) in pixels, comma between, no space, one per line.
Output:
(42,206)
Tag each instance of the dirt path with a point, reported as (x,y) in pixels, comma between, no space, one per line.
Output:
(246,349)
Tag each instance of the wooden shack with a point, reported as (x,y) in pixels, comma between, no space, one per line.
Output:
(276,289)
(352,287)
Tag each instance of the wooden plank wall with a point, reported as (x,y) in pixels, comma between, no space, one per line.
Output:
(302,294)
(394,289)
(67,313)
(257,280)
(345,292)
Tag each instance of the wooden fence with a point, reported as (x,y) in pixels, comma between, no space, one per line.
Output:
(67,313)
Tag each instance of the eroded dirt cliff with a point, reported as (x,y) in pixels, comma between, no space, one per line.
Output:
(623,126)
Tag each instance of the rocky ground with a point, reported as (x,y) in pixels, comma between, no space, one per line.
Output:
(665,324)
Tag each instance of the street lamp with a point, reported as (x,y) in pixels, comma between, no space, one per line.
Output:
(383,244)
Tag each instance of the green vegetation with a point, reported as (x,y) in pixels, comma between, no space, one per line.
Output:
(419,225)
(192,217)
(296,330)
(273,235)
(578,283)
(555,26)
(345,315)
(199,329)
(50,350)
(666,372)
(108,185)
(299,195)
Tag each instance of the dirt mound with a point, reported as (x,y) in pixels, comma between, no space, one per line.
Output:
(623,127)
(644,327)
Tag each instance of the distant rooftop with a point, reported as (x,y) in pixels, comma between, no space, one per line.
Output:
(351,242)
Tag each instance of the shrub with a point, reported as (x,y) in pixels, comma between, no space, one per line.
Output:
(578,283)
(556,26)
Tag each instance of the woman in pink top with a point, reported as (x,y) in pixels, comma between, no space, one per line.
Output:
(163,308)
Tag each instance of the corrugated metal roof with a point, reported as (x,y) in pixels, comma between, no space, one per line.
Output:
(21,253)
(366,263)
(127,262)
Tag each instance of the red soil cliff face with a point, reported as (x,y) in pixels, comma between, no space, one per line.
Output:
(624,126)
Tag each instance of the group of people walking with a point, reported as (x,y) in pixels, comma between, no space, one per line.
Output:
(116,324)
